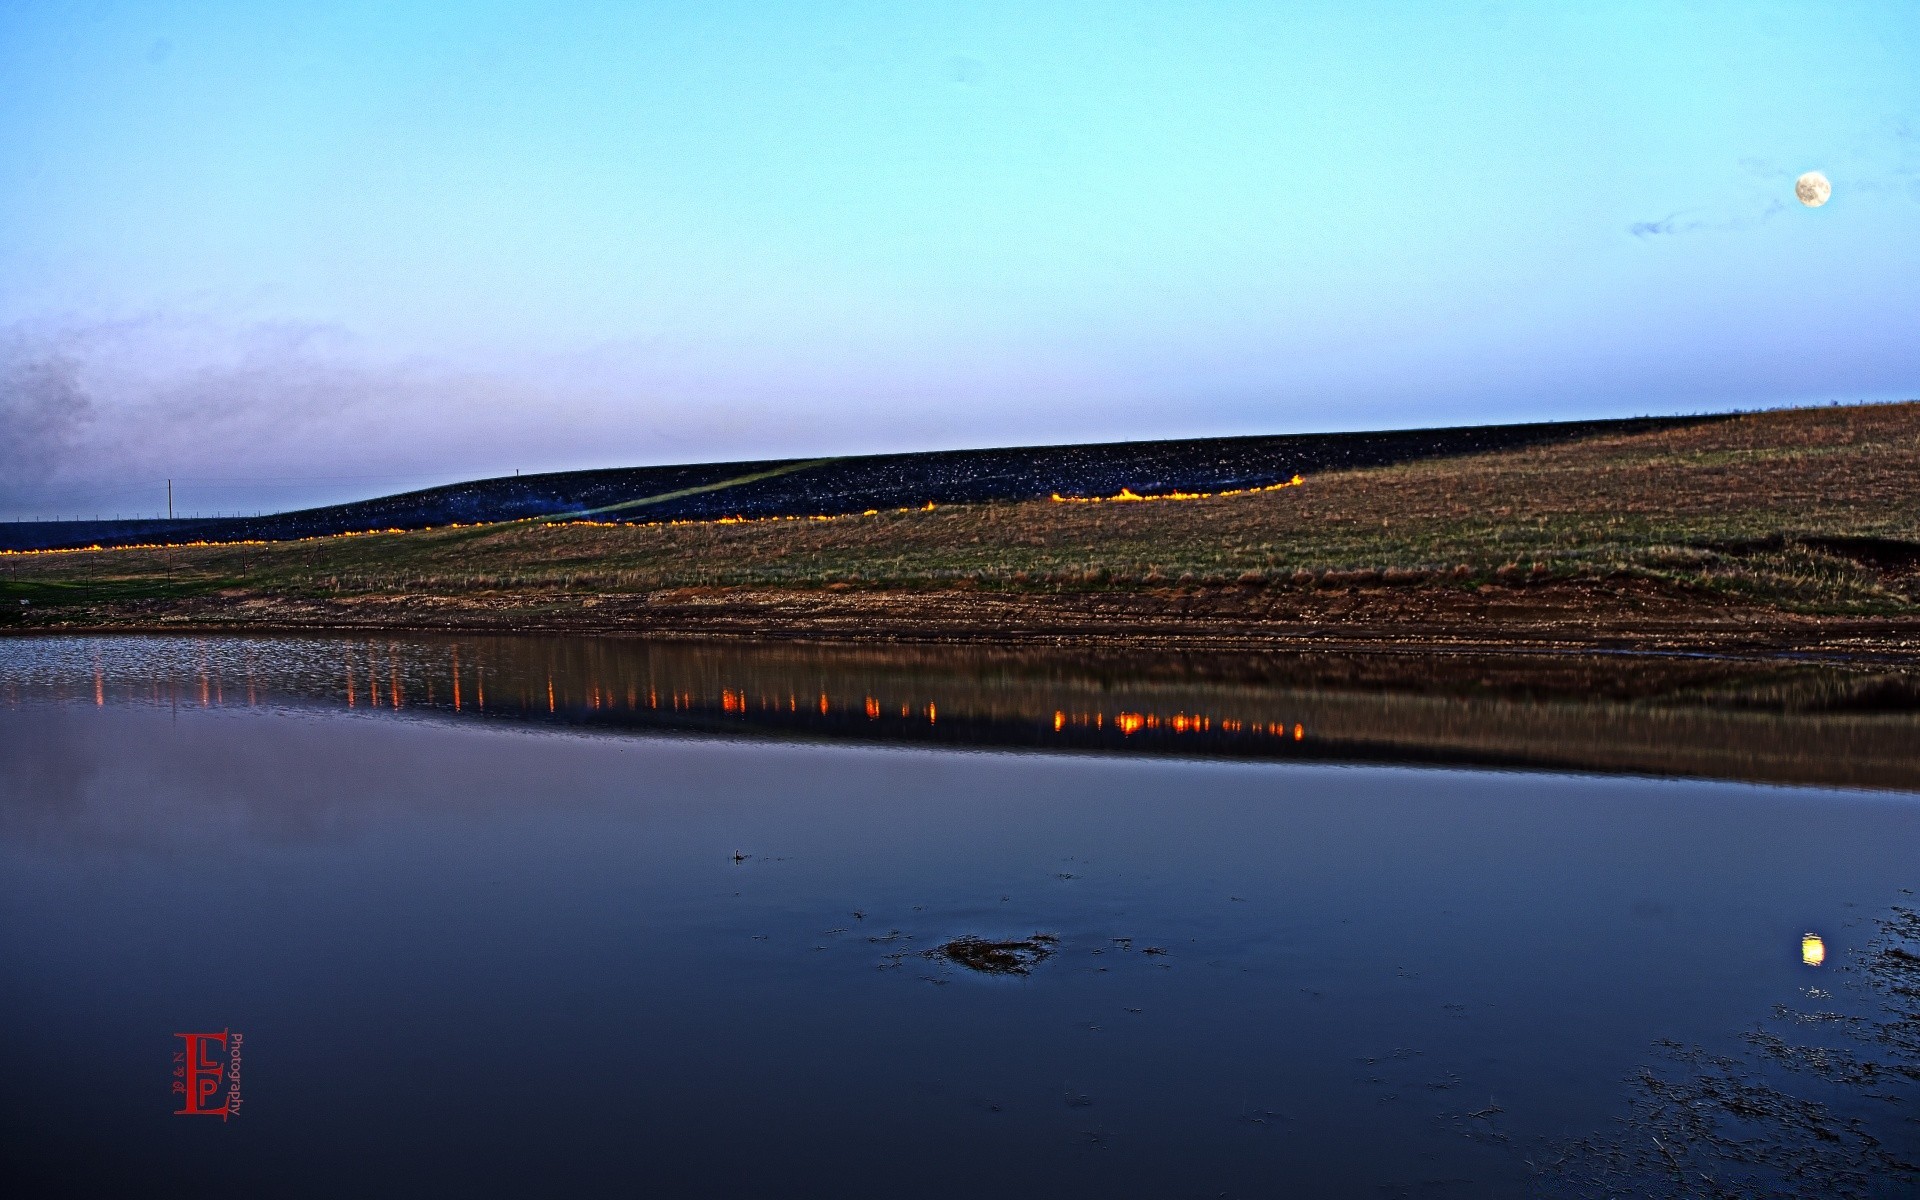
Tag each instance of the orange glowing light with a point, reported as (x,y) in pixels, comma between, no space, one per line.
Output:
(1059,721)
(1130,723)
(1128,494)
(873,709)
(1299,732)
(823,704)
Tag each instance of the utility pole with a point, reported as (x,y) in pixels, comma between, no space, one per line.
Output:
(169,499)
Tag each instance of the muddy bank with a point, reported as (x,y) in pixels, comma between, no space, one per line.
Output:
(1596,616)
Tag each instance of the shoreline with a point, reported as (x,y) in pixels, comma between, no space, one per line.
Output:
(1555,620)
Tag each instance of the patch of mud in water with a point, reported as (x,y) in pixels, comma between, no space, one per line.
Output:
(1017,957)
(1745,1125)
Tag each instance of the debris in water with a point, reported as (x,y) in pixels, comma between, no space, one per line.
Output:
(1016,957)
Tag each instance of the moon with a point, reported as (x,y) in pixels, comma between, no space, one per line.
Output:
(1813,189)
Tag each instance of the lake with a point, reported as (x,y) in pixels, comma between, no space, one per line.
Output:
(497,916)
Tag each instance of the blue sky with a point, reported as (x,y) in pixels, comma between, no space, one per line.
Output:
(287,253)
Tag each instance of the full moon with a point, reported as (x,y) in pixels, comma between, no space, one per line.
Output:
(1813,189)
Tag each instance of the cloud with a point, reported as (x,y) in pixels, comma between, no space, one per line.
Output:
(1684,222)
(270,415)
(95,417)
(45,414)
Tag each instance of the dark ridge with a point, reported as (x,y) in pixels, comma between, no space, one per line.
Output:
(1881,554)
(843,485)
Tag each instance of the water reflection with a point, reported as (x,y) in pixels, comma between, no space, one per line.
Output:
(1053,975)
(1738,721)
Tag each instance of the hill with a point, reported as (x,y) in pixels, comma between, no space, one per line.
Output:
(829,486)
(1791,531)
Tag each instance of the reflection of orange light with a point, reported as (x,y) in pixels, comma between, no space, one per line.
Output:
(1130,722)
(549,693)
(932,713)
(456,694)
(1813,951)
(456,678)
(873,709)
(1299,732)
(823,704)
(1059,721)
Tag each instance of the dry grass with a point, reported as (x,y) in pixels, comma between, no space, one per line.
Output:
(1749,507)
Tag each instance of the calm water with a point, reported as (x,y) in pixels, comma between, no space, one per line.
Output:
(589,945)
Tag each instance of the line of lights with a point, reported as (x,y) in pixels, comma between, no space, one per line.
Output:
(1124,495)
(1128,494)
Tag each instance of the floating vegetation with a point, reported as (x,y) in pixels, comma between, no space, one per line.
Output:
(1739,1125)
(1017,957)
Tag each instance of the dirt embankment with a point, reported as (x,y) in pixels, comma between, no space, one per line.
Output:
(1624,615)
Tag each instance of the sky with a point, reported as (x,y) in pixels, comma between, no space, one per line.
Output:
(293,253)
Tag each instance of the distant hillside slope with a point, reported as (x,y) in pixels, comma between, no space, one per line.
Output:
(798,487)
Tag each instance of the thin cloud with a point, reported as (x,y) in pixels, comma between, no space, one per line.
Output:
(45,413)
(1683,223)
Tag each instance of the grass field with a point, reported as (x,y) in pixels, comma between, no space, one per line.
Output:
(1814,512)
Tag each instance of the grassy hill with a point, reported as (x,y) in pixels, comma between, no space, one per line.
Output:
(831,486)
(1770,521)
